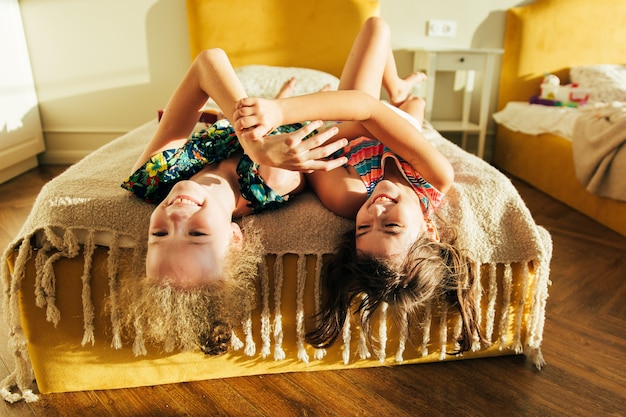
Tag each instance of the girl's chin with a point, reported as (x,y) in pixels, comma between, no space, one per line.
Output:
(386,187)
(187,188)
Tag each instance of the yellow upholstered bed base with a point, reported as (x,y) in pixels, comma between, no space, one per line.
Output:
(314,34)
(551,36)
(62,364)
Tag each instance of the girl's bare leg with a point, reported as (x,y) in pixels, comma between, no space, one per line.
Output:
(288,87)
(415,106)
(210,75)
(286,90)
(368,58)
(399,89)
(371,64)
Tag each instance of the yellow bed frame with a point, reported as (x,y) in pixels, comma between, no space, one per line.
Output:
(309,34)
(551,36)
(318,35)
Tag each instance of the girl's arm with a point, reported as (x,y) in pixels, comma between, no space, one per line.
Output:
(253,116)
(212,75)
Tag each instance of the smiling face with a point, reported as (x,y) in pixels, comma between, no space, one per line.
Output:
(190,235)
(389,222)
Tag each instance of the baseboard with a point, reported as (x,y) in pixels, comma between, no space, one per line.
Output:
(63,157)
(68,146)
(14,170)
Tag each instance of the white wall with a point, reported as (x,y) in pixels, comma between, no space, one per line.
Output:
(103,67)
(480,23)
(21,138)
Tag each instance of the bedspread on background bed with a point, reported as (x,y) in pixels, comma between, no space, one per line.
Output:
(597,131)
(536,119)
(599,150)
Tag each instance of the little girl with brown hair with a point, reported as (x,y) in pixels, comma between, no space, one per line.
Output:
(391,185)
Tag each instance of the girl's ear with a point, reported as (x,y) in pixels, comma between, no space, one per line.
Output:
(237,238)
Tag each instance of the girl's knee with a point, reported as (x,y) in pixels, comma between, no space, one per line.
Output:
(210,56)
(376,24)
(419,102)
(415,106)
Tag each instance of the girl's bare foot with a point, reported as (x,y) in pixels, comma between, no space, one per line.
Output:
(403,88)
(287,89)
(325,88)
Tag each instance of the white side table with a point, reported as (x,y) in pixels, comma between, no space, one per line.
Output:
(470,61)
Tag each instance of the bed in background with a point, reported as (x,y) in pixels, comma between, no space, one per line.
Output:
(554,36)
(86,235)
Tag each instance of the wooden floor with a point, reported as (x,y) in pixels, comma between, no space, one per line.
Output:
(584,346)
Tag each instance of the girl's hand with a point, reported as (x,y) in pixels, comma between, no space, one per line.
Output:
(290,150)
(256,117)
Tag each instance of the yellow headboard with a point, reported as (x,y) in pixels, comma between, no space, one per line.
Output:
(551,36)
(314,34)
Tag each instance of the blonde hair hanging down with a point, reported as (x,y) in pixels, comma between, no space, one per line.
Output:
(199,318)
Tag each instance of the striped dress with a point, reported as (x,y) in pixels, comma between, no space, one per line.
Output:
(367,156)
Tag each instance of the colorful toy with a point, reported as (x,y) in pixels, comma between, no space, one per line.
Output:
(555,94)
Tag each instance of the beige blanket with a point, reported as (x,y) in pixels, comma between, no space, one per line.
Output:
(493,221)
(86,205)
(600,152)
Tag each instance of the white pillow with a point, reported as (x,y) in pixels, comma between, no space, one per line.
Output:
(266,81)
(606,82)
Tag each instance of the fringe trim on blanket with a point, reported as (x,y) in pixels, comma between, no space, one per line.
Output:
(504,322)
(491,307)
(113,259)
(520,307)
(537,315)
(250,349)
(265,313)
(443,331)
(382,333)
(319,354)
(346,337)
(478,296)
(404,333)
(88,308)
(362,350)
(22,376)
(279,353)
(300,331)
(18,385)
(523,312)
(425,325)
(139,347)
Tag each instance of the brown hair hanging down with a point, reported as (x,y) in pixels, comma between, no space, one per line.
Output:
(432,271)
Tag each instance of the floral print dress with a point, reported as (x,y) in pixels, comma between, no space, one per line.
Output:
(154,179)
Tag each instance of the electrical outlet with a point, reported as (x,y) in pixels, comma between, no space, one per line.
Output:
(441,28)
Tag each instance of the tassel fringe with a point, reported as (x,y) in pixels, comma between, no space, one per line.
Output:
(279,353)
(515,309)
(300,332)
(88,309)
(265,313)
